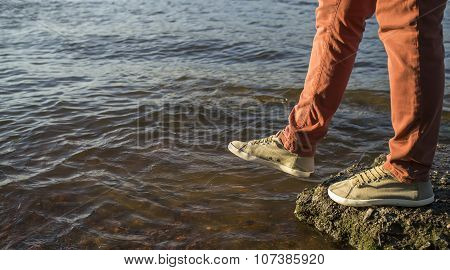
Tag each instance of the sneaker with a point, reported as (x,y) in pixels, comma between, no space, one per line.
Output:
(377,186)
(271,152)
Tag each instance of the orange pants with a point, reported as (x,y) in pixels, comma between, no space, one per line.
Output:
(411,31)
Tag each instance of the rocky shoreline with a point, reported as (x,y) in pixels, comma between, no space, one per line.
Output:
(382,227)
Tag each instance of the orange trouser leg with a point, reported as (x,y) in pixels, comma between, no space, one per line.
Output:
(340,26)
(411,32)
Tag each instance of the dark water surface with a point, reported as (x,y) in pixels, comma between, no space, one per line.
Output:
(115,115)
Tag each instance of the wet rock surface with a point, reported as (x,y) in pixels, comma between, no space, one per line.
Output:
(382,227)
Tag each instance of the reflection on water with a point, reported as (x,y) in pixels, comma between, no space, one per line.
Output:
(115,118)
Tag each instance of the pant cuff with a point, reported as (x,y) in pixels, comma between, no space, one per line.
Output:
(296,144)
(403,175)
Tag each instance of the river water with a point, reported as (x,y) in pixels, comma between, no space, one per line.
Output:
(115,116)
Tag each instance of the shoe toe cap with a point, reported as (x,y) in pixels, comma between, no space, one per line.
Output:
(340,188)
(237,144)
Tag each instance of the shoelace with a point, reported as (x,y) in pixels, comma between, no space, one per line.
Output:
(371,175)
(266,140)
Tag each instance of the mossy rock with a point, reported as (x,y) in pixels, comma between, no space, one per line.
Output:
(382,227)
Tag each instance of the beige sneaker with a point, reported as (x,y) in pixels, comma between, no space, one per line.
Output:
(271,152)
(377,186)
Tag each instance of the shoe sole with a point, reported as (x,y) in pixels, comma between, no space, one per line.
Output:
(272,164)
(378,202)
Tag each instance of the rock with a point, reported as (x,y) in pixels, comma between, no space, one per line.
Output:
(381,227)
